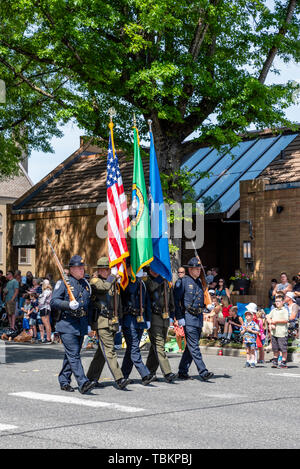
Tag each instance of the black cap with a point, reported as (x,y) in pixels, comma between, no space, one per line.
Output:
(76,261)
(194,262)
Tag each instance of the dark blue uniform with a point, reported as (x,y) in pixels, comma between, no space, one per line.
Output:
(132,329)
(189,300)
(72,329)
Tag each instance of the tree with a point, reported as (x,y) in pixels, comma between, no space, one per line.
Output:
(186,65)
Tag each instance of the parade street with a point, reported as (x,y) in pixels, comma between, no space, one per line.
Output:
(230,411)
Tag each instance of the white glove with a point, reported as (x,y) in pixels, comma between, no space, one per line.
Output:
(148,325)
(120,328)
(74,305)
(210,307)
(181,322)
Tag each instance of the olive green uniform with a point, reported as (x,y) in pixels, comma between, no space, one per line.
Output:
(159,326)
(103,305)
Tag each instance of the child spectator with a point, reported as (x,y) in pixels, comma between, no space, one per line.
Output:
(249,331)
(233,323)
(180,335)
(260,341)
(44,310)
(25,310)
(34,307)
(278,320)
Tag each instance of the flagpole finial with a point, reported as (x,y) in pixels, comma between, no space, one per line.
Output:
(150,125)
(111,112)
(134,120)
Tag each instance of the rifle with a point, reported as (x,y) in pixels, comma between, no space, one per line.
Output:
(140,318)
(165,314)
(115,318)
(207,297)
(62,273)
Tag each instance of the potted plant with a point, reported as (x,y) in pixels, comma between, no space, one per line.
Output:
(241,282)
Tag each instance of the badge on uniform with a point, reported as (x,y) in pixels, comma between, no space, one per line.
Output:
(58,284)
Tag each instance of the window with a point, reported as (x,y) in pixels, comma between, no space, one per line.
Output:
(24,256)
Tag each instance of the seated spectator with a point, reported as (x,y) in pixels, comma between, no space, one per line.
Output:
(233,323)
(296,290)
(220,318)
(222,290)
(292,306)
(284,285)
(270,294)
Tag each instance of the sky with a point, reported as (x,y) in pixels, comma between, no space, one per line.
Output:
(40,164)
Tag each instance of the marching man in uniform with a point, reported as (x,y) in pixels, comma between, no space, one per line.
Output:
(73,324)
(189,306)
(105,307)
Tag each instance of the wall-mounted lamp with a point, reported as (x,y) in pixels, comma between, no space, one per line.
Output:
(247,254)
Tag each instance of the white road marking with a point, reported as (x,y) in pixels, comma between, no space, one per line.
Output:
(288,375)
(75,401)
(4,427)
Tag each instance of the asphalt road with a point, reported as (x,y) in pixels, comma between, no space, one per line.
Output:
(238,408)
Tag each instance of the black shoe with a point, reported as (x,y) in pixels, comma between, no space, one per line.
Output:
(170,377)
(67,387)
(122,383)
(98,385)
(206,376)
(184,376)
(129,381)
(148,379)
(86,387)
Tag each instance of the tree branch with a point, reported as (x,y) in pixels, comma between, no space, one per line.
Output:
(32,85)
(280,35)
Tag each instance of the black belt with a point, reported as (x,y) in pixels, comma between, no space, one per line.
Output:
(133,311)
(195,311)
(77,314)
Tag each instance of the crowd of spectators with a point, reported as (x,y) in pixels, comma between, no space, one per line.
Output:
(25,305)
(261,328)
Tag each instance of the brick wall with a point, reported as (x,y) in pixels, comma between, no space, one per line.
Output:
(276,244)
(78,236)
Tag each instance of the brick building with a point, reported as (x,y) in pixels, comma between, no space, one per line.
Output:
(245,187)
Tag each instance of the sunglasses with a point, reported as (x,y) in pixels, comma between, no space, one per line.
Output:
(179,272)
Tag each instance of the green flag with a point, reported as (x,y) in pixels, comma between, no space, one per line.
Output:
(141,252)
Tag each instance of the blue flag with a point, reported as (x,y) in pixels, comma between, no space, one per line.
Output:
(159,227)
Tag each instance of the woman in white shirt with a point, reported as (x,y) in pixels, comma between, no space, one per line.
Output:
(45,309)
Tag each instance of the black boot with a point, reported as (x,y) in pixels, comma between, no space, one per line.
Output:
(87,387)
(170,377)
(67,387)
(148,379)
(122,383)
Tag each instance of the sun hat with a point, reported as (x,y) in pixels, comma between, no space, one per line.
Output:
(251,308)
(291,295)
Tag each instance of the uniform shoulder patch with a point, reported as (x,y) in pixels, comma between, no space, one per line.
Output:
(58,284)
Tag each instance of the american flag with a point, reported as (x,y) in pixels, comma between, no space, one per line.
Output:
(117,215)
